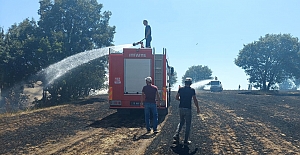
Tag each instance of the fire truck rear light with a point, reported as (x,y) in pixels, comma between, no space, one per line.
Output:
(115,102)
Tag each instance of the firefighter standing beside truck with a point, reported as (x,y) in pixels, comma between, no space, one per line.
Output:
(149,93)
(185,95)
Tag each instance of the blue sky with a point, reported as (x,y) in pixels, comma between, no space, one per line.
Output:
(194,32)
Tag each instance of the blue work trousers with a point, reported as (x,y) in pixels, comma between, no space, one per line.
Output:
(151,107)
(148,42)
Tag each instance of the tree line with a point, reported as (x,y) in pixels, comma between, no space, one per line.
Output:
(272,61)
(65,28)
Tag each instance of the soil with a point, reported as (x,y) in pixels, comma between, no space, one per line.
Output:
(230,122)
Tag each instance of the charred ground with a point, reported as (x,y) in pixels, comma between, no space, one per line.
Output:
(230,122)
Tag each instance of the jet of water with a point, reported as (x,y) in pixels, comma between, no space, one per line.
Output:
(60,68)
(200,84)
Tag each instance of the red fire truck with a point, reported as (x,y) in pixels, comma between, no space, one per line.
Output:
(127,73)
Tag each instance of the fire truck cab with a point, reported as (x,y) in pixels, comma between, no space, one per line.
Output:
(127,73)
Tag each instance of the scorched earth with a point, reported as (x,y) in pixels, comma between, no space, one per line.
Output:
(230,122)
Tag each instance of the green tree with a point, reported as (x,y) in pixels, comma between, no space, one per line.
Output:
(288,84)
(197,73)
(19,55)
(77,24)
(2,42)
(173,79)
(19,60)
(79,82)
(3,55)
(65,28)
(297,83)
(270,60)
(70,27)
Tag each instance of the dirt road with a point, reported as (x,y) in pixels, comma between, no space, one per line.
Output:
(230,122)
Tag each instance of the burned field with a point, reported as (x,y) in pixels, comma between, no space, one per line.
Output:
(237,122)
(230,122)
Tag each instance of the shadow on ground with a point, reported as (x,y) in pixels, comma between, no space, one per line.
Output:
(89,101)
(133,120)
(183,150)
(143,136)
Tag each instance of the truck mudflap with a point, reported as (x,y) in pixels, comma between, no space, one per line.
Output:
(110,97)
(164,94)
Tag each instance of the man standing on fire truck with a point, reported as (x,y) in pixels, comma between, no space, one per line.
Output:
(149,93)
(148,36)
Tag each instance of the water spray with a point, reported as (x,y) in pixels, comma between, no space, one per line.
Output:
(200,84)
(60,68)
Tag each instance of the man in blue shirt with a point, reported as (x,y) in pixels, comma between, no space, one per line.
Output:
(148,36)
(185,95)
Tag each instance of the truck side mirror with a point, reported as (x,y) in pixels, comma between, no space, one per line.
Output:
(172,71)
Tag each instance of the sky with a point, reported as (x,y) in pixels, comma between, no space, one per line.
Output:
(195,32)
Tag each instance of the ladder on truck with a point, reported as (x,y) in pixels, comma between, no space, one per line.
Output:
(158,71)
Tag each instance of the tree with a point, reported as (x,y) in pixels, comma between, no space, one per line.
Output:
(78,24)
(19,60)
(65,28)
(197,73)
(79,82)
(70,27)
(297,83)
(173,79)
(3,55)
(19,55)
(270,60)
(288,84)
